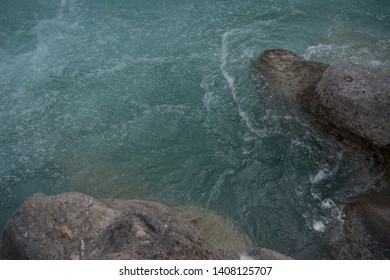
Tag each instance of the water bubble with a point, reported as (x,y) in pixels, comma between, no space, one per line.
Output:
(315,195)
(319,226)
(299,190)
(321,174)
(327,203)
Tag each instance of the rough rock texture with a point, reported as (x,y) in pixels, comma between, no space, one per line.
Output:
(77,226)
(351,101)
(216,230)
(367,228)
(355,100)
(289,74)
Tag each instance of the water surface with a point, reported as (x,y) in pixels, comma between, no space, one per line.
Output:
(159,100)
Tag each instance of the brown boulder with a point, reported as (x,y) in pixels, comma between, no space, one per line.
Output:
(78,226)
(289,74)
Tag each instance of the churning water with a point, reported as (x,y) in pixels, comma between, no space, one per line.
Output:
(159,100)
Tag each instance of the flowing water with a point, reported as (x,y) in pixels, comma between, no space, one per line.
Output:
(159,100)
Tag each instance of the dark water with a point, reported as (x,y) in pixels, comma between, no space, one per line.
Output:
(159,100)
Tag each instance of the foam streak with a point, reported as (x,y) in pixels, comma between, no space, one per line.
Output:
(230,80)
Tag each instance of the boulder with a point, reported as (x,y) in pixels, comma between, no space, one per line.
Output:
(351,101)
(78,226)
(289,74)
(355,100)
(216,229)
(367,228)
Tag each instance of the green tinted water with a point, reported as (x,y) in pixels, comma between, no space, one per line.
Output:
(159,100)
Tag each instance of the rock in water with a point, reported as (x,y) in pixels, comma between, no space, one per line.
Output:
(216,230)
(78,226)
(289,74)
(356,100)
(367,228)
(351,101)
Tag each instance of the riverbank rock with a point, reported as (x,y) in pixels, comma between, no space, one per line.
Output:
(355,100)
(351,101)
(289,74)
(367,228)
(78,226)
(216,230)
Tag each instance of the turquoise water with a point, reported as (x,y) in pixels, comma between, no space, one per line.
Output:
(159,100)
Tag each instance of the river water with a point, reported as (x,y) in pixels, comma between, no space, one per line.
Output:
(159,100)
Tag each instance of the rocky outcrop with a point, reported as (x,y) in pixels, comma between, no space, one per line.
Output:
(367,228)
(355,100)
(78,226)
(350,101)
(218,231)
(289,74)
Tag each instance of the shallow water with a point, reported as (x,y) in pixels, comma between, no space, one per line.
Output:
(159,100)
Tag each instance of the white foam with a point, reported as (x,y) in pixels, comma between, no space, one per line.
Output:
(338,214)
(376,63)
(216,189)
(381,17)
(299,190)
(244,256)
(82,251)
(312,51)
(321,174)
(355,47)
(208,97)
(327,203)
(230,80)
(318,226)
(111,69)
(315,195)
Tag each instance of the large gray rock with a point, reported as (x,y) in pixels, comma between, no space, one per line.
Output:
(78,226)
(367,228)
(355,100)
(351,101)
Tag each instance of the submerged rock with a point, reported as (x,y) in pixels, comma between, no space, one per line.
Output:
(78,226)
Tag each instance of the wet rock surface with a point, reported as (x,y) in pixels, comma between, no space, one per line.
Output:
(356,101)
(351,102)
(367,228)
(289,74)
(78,226)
